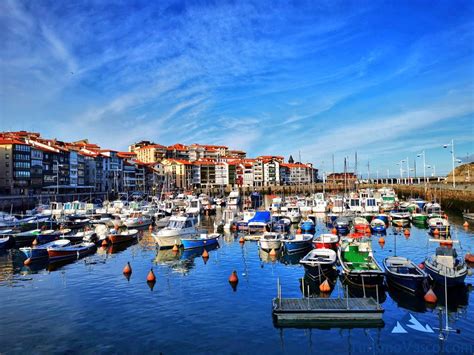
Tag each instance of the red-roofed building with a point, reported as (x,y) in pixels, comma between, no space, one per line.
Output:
(177,151)
(178,173)
(153,153)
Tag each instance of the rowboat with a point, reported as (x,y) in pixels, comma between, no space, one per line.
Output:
(440,224)
(404,274)
(25,238)
(378,226)
(50,235)
(123,236)
(320,264)
(79,237)
(296,243)
(342,225)
(200,240)
(307,226)
(41,251)
(400,219)
(360,224)
(70,252)
(138,221)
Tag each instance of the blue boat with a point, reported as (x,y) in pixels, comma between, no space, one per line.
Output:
(307,226)
(378,226)
(280,224)
(404,274)
(342,225)
(297,243)
(50,235)
(41,251)
(260,222)
(383,217)
(200,241)
(446,267)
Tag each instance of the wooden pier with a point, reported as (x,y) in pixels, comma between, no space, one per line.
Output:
(313,311)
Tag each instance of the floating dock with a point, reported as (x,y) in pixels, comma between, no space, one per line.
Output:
(308,311)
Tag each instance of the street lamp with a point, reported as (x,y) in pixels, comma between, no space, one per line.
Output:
(452,157)
(434,169)
(424,164)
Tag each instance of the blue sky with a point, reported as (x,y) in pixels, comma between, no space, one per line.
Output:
(387,79)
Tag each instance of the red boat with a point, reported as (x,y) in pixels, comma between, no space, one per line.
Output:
(328,241)
(70,252)
(125,236)
(361,224)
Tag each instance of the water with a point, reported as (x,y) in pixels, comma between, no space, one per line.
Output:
(88,306)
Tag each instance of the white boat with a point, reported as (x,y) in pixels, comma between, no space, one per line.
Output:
(293,213)
(370,205)
(137,220)
(355,204)
(337,205)
(178,227)
(276,204)
(233,200)
(195,207)
(270,240)
(320,203)
(229,218)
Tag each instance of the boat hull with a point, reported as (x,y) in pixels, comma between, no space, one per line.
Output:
(198,243)
(297,246)
(69,254)
(321,272)
(270,244)
(451,281)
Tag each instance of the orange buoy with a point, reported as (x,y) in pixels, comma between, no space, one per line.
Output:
(104,243)
(465,224)
(205,254)
(151,276)
(421,265)
(35,242)
(298,231)
(436,231)
(242,240)
(325,287)
(406,232)
(381,240)
(430,296)
(233,278)
(127,270)
(28,262)
(175,247)
(469,258)
(367,230)
(272,252)
(334,231)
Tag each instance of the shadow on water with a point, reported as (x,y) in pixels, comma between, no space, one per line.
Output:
(409,301)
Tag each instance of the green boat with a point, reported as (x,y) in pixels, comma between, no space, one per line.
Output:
(359,266)
(419,218)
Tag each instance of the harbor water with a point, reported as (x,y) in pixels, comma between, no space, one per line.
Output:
(89,306)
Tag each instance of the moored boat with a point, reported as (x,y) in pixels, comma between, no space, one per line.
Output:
(359,267)
(440,225)
(25,238)
(307,226)
(39,252)
(138,221)
(403,273)
(296,243)
(326,241)
(378,226)
(122,236)
(50,235)
(342,225)
(200,240)
(320,264)
(4,242)
(270,240)
(260,222)
(70,252)
(178,227)
(400,219)
(360,224)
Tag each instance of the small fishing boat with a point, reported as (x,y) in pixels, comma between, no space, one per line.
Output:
(79,237)
(307,226)
(243,224)
(76,222)
(360,224)
(342,225)
(439,224)
(405,274)
(320,264)
(359,267)
(260,222)
(200,240)
(296,243)
(127,235)
(270,240)
(50,235)
(280,223)
(433,210)
(25,238)
(293,213)
(446,267)
(326,241)
(70,252)
(400,219)
(138,221)
(378,226)
(41,251)
(382,217)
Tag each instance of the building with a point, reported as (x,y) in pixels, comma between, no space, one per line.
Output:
(178,173)
(153,153)
(341,178)
(15,163)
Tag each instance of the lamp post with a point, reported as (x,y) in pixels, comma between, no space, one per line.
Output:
(408,170)
(452,158)
(424,164)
